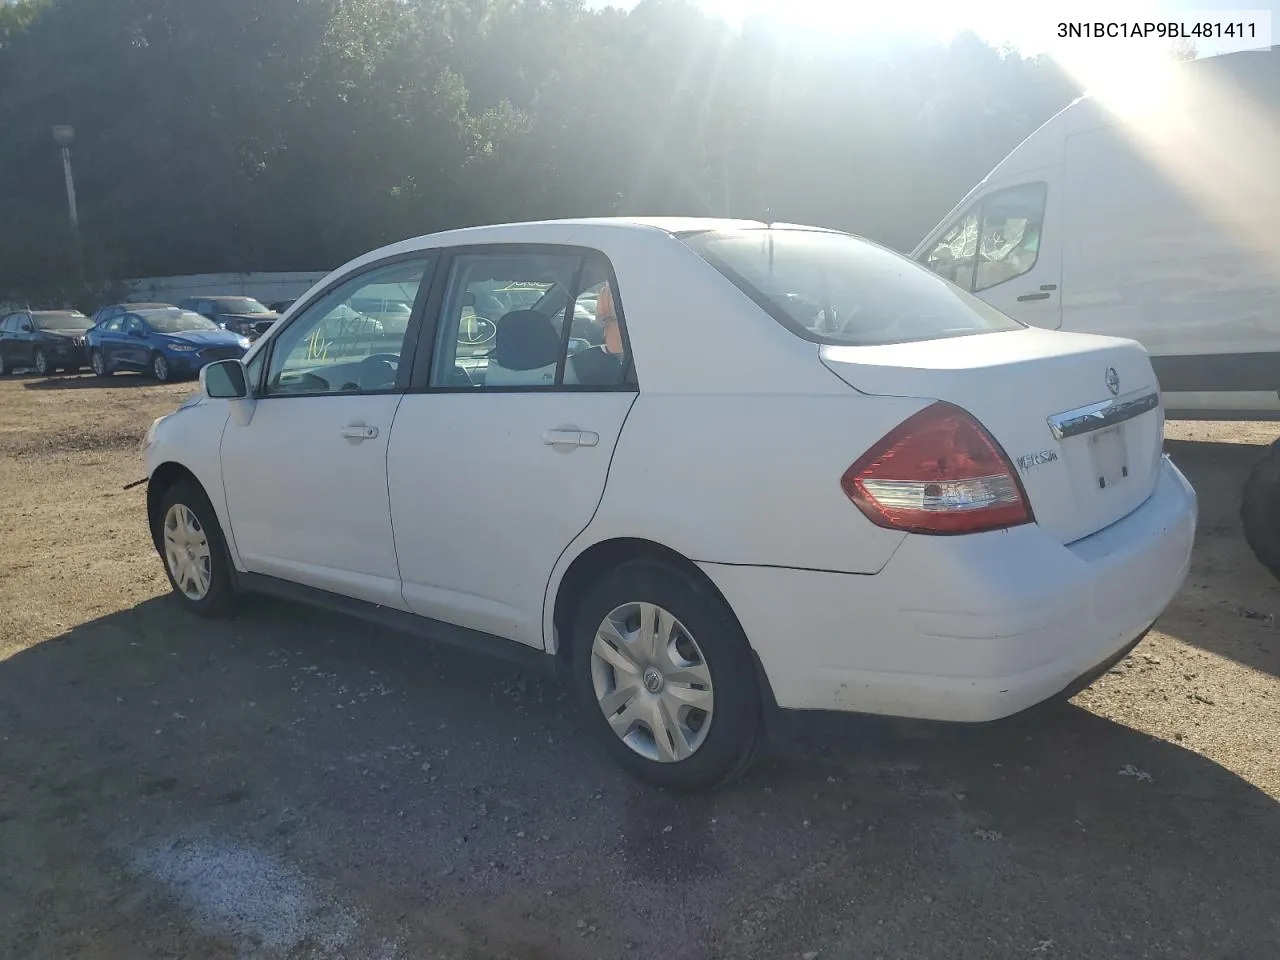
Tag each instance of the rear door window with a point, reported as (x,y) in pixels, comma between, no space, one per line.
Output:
(503,323)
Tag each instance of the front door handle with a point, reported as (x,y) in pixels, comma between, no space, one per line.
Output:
(568,437)
(1033,296)
(355,432)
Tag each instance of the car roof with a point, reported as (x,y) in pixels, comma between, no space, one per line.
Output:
(54,313)
(583,230)
(152,311)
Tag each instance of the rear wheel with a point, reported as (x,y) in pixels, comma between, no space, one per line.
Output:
(1260,510)
(664,677)
(42,363)
(4,369)
(194,552)
(99,364)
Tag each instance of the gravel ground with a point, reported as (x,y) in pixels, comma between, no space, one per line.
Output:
(294,785)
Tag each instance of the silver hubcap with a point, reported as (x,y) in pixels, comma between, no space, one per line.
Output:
(42,364)
(98,365)
(652,682)
(186,550)
(162,368)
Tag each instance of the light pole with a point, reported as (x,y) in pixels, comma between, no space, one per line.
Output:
(62,136)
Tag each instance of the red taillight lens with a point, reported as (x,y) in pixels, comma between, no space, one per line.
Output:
(938,471)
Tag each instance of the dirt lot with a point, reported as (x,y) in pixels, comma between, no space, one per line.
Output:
(291,785)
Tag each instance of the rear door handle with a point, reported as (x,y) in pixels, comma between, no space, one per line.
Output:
(1033,296)
(569,437)
(359,431)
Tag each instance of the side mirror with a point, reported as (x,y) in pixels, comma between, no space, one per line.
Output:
(27,328)
(137,334)
(224,380)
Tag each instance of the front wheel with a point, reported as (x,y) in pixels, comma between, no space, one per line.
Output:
(160,368)
(42,363)
(1260,510)
(191,544)
(663,675)
(99,364)
(4,369)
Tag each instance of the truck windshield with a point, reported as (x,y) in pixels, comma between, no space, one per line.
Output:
(838,289)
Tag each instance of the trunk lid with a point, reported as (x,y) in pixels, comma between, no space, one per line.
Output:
(1079,416)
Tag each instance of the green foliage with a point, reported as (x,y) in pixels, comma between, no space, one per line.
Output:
(293,134)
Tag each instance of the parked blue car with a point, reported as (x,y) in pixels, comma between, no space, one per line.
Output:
(167,343)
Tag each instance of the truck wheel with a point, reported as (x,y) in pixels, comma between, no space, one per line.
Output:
(1260,510)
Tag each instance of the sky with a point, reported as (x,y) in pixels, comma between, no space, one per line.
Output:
(1029,25)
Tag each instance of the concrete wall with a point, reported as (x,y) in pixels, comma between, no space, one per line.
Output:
(265,287)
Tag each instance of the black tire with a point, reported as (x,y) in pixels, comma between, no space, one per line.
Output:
(41,363)
(221,600)
(5,369)
(98,363)
(160,368)
(1260,510)
(737,725)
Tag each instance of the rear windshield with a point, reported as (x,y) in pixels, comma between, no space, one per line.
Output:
(61,321)
(838,289)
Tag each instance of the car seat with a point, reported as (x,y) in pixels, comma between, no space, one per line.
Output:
(526,348)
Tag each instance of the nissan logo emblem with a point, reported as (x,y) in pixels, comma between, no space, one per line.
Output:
(1113,381)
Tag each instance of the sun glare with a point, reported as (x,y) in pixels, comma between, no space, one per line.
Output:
(1132,80)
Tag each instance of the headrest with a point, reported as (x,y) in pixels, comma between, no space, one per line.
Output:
(526,340)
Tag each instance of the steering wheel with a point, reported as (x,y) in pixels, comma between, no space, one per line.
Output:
(480,331)
(378,372)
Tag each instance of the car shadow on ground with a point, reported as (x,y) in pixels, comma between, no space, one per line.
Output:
(294,783)
(1230,604)
(86,381)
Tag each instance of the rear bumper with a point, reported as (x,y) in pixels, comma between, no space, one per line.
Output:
(967,628)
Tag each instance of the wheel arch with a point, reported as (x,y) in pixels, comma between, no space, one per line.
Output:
(162,479)
(597,560)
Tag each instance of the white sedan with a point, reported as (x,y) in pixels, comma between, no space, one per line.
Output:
(800,473)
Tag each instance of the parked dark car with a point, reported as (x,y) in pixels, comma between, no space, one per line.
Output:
(243,315)
(48,340)
(167,343)
(280,306)
(103,314)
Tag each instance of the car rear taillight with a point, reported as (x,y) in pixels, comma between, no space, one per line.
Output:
(939,472)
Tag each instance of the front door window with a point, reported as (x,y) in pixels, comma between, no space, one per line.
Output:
(335,347)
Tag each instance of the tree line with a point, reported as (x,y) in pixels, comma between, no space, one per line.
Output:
(293,134)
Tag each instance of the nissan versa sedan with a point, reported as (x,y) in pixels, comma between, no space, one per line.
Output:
(167,343)
(797,472)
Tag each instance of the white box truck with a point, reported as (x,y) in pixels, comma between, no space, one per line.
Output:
(1152,214)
